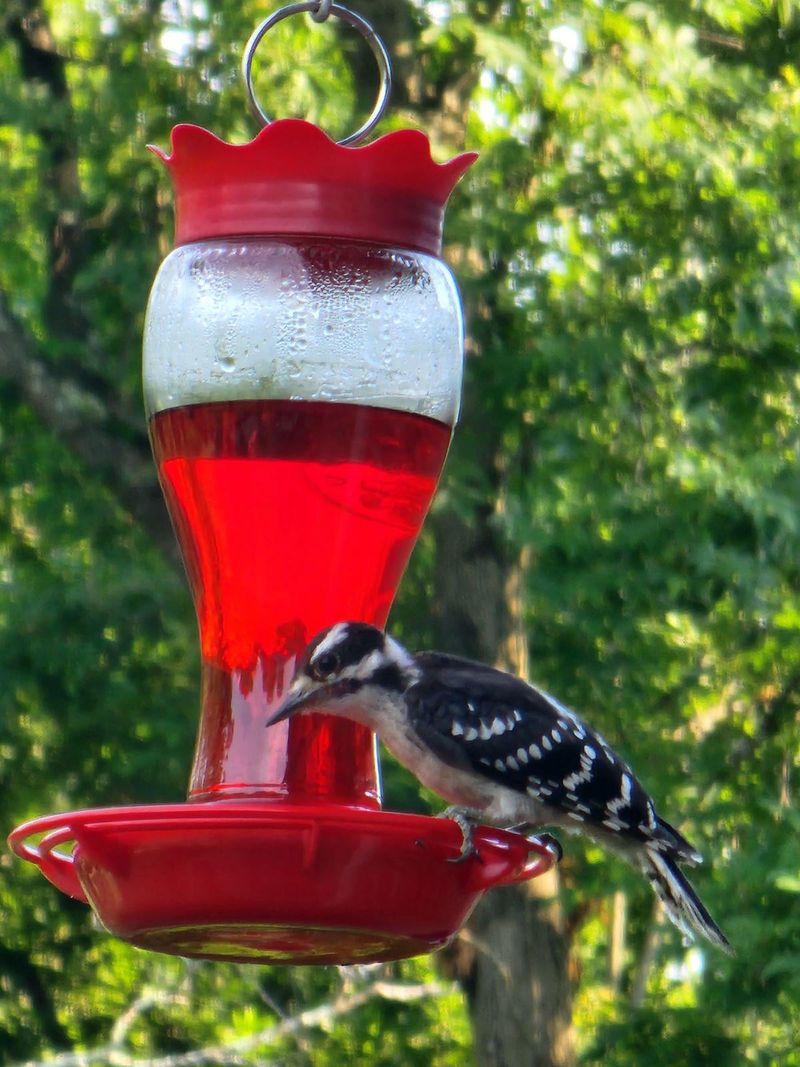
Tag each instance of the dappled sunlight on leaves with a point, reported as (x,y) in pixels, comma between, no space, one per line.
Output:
(629,251)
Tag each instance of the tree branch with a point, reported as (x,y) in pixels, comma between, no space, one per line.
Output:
(616,947)
(86,425)
(647,958)
(40,61)
(75,405)
(234,1051)
(20,973)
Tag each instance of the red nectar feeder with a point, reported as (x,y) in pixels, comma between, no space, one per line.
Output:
(302,370)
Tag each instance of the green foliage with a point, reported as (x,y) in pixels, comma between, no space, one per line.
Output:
(628,248)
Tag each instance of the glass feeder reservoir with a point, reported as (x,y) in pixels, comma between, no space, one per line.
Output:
(302,374)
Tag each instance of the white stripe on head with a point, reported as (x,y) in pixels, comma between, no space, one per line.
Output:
(334,637)
(365,667)
(397,654)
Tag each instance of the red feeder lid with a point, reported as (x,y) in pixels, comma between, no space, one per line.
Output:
(293,179)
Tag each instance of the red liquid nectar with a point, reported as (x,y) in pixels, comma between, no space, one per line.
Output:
(290,515)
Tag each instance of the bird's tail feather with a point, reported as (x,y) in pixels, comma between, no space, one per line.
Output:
(680,901)
(675,842)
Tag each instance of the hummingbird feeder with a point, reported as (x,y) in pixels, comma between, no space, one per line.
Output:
(302,374)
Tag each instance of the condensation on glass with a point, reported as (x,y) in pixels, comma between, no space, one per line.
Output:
(304,319)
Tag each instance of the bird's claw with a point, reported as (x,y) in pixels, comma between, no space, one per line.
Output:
(465,819)
(552,844)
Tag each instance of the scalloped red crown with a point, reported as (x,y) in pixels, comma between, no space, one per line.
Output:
(292,178)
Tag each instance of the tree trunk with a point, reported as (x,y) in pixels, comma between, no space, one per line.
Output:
(512,958)
(512,964)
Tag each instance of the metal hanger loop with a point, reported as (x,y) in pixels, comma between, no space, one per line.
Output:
(320,10)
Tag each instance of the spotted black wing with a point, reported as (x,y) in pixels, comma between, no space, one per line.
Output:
(475,717)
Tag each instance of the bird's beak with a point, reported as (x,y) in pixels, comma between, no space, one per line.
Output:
(301,694)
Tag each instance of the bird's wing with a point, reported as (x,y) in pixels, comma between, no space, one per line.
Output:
(479,718)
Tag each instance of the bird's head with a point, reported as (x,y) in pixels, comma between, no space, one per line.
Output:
(348,669)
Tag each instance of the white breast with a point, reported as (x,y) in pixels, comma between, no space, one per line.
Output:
(497,803)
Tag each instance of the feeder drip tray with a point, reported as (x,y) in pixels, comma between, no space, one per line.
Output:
(264,882)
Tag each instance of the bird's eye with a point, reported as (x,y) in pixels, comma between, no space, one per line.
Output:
(327,664)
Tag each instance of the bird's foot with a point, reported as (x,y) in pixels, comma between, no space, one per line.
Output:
(466,820)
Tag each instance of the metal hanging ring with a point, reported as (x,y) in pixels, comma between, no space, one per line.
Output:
(323,11)
(319,11)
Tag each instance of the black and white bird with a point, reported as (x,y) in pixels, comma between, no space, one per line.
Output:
(497,749)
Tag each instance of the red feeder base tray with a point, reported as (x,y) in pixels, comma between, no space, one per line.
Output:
(264,882)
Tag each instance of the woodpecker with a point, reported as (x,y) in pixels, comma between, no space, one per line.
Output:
(497,749)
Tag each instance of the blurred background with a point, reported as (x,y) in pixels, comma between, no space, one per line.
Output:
(617,520)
